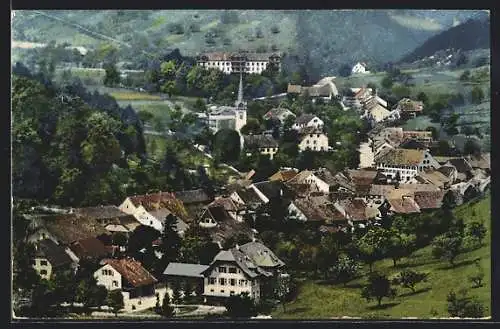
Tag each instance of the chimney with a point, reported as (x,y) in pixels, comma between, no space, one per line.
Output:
(237,247)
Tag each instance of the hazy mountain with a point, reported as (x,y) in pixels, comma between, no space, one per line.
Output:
(470,35)
(323,39)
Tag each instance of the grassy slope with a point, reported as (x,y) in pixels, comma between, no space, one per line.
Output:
(317,300)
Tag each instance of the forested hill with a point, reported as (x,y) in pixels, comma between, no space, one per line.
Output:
(473,34)
(323,40)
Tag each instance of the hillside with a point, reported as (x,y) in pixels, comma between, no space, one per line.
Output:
(473,34)
(323,39)
(428,301)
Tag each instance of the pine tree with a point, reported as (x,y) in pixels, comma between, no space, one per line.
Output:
(167,310)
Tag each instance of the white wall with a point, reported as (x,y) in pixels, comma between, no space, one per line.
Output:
(242,283)
(111,281)
(314,142)
(42,264)
(293,210)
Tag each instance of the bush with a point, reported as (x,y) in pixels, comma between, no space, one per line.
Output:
(463,306)
(258,33)
(275,29)
(176,28)
(194,27)
(226,42)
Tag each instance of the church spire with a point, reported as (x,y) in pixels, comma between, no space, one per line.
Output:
(240,91)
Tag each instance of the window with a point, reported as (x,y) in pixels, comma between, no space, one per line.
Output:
(311,135)
(211,280)
(222,269)
(232,270)
(115,283)
(233,282)
(231,292)
(222,281)
(33,262)
(314,142)
(265,149)
(222,291)
(43,272)
(43,263)
(211,290)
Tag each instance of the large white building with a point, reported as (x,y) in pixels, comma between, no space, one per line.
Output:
(243,62)
(405,163)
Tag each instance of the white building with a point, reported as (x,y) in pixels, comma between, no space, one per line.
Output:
(279,114)
(308,120)
(49,258)
(241,269)
(307,177)
(152,210)
(263,144)
(359,68)
(244,62)
(406,163)
(313,139)
(227,117)
(127,275)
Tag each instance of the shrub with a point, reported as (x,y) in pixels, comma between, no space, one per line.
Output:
(463,306)
(275,29)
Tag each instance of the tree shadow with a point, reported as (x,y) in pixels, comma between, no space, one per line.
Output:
(416,292)
(383,306)
(458,265)
(297,309)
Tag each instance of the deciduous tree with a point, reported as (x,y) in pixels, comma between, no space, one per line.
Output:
(377,288)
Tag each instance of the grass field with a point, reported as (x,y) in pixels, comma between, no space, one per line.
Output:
(317,300)
(133,96)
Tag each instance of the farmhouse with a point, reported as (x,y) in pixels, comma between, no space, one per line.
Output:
(359,68)
(50,258)
(278,114)
(127,275)
(313,139)
(261,144)
(408,108)
(307,120)
(404,165)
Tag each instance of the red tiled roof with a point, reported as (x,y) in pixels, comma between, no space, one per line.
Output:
(89,248)
(404,205)
(160,200)
(132,271)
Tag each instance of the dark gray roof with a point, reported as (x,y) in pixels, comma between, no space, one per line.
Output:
(242,261)
(304,118)
(54,253)
(261,255)
(192,196)
(249,196)
(269,189)
(461,164)
(259,141)
(186,270)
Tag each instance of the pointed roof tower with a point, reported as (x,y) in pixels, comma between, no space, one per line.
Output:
(240,103)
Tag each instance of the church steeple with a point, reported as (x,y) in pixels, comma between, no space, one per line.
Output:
(239,102)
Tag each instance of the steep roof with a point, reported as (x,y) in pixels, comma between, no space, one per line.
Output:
(259,141)
(249,196)
(243,261)
(404,205)
(318,208)
(227,203)
(463,166)
(307,130)
(132,271)
(269,189)
(261,255)
(413,144)
(283,175)
(402,157)
(226,226)
(408,105)
(326,176)
(68,228)
(300,177)
(428,199)
(355,208)
(435,177)
(185,270)
(277,113)
(89,248)
(380,190)
(192,196)
(160,200)
(447,170)
(362,177)
(54,253)
(482,161)
(305,118)
(101,212)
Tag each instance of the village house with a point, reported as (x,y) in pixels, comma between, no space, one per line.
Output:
(233,209)
(359,68)
(316,210)
(233,272)
(241,62)
(104,214)
(434,177)
(184,273)
(313,139)
(356,98)
(429,200)
(308,120)
(402,201)
(463,169)
(307,177)
(126,275)
(51,258)
(357,211)
(153,209)
(324,89)
(424,137)
(404,165)
(263,144)
(278,114)
(408,108)
(90,249)
(221,226)
(246,197)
